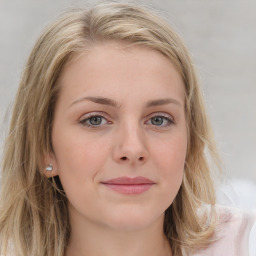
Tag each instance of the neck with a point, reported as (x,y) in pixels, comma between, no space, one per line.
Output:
(90,239)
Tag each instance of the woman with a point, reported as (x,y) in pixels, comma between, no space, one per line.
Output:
(106,153)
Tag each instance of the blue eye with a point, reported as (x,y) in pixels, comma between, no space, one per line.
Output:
(161,121)
(93,121)
(157,120)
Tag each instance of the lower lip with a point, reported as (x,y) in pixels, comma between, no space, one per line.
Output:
(129,189)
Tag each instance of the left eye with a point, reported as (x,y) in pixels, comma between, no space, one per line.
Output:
(160,121)
(93,121)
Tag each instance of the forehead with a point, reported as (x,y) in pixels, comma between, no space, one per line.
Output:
(110,66)
(100,51)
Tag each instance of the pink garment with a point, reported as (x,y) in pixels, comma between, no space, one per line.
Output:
(235,234)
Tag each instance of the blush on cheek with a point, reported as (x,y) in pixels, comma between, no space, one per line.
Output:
(172,166)
(172,156)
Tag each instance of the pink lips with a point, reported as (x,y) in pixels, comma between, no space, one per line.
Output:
(129,186)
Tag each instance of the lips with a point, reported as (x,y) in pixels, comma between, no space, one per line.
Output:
(129,186)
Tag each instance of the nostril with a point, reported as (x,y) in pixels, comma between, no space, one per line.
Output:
(124,158)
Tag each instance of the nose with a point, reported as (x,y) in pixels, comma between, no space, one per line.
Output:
(130,147)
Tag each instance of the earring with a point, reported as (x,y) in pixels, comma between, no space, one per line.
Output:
(49,168)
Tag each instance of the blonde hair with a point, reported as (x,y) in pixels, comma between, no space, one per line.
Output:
(34,216)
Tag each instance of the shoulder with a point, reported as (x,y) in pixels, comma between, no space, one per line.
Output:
(234,230)
(235,234)
(252,240)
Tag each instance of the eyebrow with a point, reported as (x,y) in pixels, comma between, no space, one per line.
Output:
(161,102)
(99,100)
(113,103)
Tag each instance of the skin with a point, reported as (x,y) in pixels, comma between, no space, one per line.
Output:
(131,139)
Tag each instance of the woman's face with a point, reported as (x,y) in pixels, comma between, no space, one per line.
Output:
(119,136)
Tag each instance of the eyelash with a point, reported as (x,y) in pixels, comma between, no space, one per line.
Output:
(90,116)
(165,117)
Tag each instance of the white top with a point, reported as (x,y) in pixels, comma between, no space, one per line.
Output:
(235,234)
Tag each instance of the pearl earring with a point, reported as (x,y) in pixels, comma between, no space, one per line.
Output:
(49,168)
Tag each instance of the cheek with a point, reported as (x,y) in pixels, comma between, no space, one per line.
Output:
(170,160)
(171,154)
(79,162)
(79,157)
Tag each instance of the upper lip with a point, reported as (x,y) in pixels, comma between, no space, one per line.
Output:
(129,181)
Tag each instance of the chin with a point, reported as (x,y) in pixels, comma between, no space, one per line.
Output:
(133,220)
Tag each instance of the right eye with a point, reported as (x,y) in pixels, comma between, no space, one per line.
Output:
(93,121)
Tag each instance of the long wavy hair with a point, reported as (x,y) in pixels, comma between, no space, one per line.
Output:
(33,215)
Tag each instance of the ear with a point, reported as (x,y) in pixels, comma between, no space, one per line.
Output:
(50,166)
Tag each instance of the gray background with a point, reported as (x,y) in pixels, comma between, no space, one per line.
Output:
(221,36)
